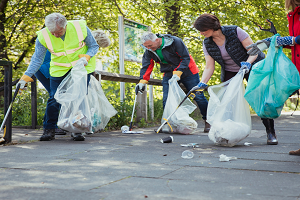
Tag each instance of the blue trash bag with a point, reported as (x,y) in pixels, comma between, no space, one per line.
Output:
(271,82)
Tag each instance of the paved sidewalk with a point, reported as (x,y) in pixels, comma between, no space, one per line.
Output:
(113,165)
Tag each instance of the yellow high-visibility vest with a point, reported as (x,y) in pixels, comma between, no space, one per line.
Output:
(64,54)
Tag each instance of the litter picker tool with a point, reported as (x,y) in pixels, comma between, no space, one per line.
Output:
(131,121)
(7,113)
(272,29)
(191,92)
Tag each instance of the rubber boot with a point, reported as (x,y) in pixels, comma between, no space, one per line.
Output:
(272,139)
(49,134)
(206,127)
(271,136)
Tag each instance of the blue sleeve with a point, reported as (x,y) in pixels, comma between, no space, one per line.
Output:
(44,69)
(37,59)
(90,41)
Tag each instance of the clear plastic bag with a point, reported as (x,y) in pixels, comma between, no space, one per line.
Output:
(271,82)
(101,109)
(228,112)
(74,113)
(180,121)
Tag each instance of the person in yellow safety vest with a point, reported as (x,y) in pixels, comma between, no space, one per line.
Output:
(68,42)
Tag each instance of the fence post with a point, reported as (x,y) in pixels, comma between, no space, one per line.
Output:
(33,103)
(141,108)
(7,98)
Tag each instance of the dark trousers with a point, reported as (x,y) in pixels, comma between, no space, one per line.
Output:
(188,82)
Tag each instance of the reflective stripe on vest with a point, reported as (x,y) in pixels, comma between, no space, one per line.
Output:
(50,47)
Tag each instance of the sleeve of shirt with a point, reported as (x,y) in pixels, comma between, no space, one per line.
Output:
(242,35)
(204,49)
(37,59)
(183,53)
(147,66)
(91,43)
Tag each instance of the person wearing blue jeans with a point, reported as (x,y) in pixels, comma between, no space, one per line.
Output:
(69,42)
(52,109)
(188,82)
(43,76)
(175,62)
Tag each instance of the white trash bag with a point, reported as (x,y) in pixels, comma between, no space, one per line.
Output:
(74,113)
(228,112)
(101,109)
(180,121)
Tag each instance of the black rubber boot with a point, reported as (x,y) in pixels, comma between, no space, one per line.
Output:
(271,136)
(272,139)
(49,134)
(77,137)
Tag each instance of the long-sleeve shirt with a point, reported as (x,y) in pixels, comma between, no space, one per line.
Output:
(37,58)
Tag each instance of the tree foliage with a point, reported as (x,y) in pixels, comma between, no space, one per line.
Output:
(20,19)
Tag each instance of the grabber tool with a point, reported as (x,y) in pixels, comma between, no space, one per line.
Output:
(190,93)
(131,121)
(272,28)
(7,113)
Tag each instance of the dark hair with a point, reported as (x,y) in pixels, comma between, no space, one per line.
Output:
(206,22)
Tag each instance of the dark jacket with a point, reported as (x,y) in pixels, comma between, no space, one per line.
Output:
(233,46)
(175,54)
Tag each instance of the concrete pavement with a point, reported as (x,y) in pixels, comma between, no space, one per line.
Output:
(112,165)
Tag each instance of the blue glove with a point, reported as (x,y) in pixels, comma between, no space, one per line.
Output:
(246,64)
(201,85)
(198,88)
(280,41)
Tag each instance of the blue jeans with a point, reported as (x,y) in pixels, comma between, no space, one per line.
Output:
(52,109)
(45,81)
(188,82)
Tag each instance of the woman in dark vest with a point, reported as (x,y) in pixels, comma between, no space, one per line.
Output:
(227,46)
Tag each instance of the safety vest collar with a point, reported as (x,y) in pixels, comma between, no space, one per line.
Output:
(50,47)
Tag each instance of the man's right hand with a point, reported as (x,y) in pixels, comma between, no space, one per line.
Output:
(140,87)
(258,47)
(23,82)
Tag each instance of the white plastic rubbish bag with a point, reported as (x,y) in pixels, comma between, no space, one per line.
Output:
(228,112)
(101,109)
(74,113)
(180,121)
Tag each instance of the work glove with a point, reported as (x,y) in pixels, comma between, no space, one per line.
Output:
(176,76)
(23,82)
(264,44)
(258,47)
(198,88)
(84,58)
(140,87)
(280,41)
(247,65)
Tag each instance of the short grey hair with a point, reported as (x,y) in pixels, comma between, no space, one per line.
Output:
(55,20)
(101,38)
(148,36)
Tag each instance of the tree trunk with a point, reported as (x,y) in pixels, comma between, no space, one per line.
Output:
(172,16)
(3,52)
